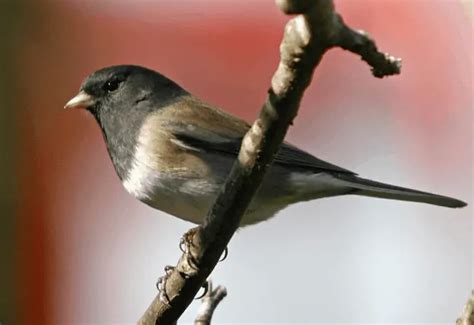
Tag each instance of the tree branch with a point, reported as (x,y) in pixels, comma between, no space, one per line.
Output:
(467,316)
(315,29)
(209,303)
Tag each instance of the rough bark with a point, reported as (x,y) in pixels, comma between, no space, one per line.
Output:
(315,29)
(467,315)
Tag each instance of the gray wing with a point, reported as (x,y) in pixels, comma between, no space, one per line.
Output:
(292,156)
(205,140)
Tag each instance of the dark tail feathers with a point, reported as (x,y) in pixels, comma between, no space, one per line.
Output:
(367,187)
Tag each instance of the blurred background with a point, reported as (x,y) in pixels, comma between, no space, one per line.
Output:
(76,248)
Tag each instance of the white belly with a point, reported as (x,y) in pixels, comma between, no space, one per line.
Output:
(190,198)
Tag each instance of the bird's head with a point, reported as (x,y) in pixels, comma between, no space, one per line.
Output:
(122,91)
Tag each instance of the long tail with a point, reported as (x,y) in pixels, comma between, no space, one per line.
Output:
(367,187)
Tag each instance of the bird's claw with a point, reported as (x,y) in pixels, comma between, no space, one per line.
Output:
(161,285)
(207,286)
(182,245)
(226,252)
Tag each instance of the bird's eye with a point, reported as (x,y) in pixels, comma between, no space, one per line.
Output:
(112,85)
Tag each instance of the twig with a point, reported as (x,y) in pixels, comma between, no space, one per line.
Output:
(315,29)
(359,42)
(467,316)
(209,303)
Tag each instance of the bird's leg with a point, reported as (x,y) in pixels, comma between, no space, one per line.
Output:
(161,285)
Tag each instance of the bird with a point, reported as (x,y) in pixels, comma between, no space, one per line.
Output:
(173,152)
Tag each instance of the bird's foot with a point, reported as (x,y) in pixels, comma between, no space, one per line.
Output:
(161,285)
(186,243)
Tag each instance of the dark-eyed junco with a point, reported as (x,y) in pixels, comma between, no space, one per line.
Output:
(173,151)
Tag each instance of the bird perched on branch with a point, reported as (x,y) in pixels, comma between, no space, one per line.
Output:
(173,151)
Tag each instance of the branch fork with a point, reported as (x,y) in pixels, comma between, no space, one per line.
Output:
(315,29)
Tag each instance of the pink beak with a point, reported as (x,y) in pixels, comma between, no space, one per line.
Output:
(81,100)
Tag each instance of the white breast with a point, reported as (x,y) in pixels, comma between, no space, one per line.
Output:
(184,197)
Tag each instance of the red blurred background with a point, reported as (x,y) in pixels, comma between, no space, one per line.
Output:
(60,191)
